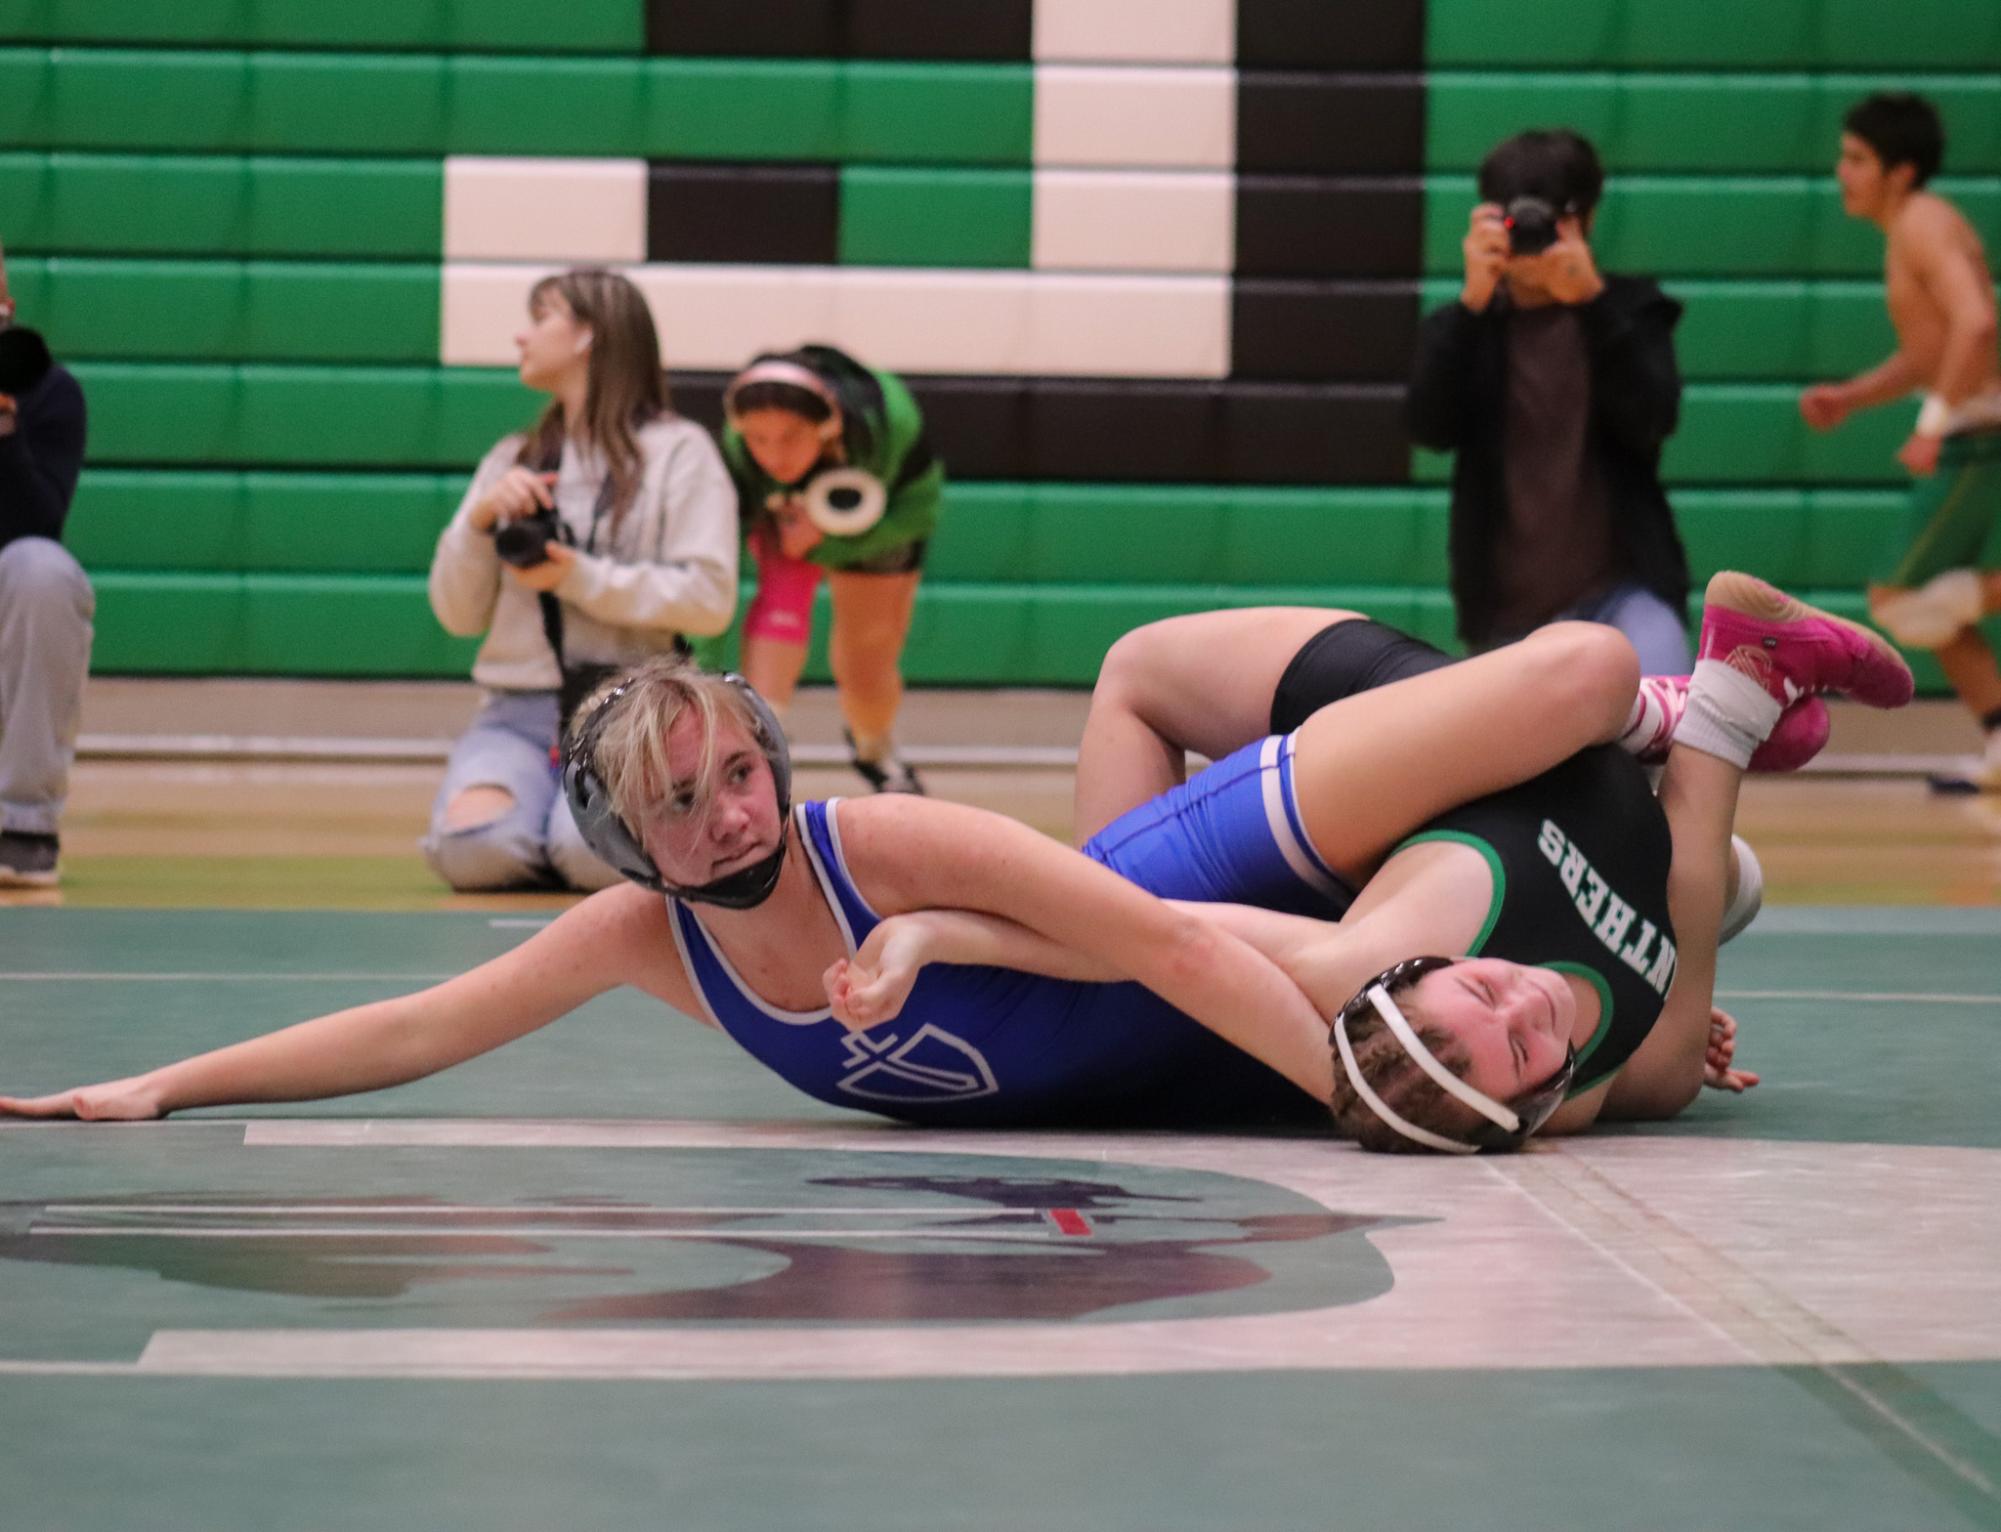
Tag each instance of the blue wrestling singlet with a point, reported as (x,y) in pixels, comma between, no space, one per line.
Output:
(1229,835)
(991,1047)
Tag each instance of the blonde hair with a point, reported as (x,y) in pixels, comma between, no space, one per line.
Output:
(630,716)
(625,388)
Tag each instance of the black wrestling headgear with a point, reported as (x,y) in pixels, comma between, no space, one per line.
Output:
(614,840)
(1508,1123)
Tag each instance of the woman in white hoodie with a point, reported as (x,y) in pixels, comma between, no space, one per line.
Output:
(596,538)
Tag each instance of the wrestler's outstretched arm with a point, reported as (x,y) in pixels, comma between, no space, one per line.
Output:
(612,938)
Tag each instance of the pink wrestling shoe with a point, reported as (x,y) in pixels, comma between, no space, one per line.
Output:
(1797,738)
(1794,650)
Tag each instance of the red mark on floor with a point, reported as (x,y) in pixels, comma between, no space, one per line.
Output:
(1070,1221)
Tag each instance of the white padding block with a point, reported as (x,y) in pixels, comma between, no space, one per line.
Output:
(1126,220)
(482,309)
(1176,119)
(1136,31)
(545,210)
(1136,327)
(716,318)
(936,320)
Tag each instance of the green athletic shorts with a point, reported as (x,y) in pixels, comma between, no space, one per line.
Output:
(1954,520)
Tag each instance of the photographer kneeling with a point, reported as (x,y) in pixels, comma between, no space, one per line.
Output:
(598,537)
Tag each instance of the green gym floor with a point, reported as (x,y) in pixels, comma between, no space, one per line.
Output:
(613,1276)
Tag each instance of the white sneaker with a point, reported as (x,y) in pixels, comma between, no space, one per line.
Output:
(1937,611)
(1976,774)
(1750,896)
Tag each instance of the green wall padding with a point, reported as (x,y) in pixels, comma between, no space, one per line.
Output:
(1722,123)
(893,216)
(1698,34)
(222,205)
(582,26)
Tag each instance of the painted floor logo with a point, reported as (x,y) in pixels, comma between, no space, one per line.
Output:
(930,1244)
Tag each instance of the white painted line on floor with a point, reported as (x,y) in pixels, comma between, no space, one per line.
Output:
(1770,1325)
(463,1231)
(560,1210)
(1856,995)
(223,978)
(1878,920)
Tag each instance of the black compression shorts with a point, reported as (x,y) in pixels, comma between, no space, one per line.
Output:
(1345,658)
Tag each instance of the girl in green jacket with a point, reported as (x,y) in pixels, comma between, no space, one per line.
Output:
(833,474)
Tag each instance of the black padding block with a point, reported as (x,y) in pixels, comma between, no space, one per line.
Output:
(1290,433)
(1329,331)
(1301,226)
(1142,430)
(745,28)
(978,425)
(698,395)
(1331,124)
(1330,34)
(996,30)
(757,214)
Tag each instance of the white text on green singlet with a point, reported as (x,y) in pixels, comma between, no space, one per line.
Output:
(1649,954)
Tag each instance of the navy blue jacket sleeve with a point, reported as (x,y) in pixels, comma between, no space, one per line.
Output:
(41,458)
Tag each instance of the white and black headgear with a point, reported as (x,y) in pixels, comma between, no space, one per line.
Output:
(621,848)
(1508,1124)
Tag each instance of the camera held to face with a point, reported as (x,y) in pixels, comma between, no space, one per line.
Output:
(1531,224)
(524,541)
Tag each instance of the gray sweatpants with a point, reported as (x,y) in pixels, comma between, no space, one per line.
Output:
(46,605)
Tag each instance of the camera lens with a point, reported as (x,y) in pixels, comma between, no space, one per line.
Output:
(524,542)
(1531,226)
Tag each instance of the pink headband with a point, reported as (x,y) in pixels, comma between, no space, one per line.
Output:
(779,371)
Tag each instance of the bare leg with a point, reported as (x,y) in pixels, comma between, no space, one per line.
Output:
(871,620)
(1202,683)
(1968,663)
(772,666)
(477,806)
(1371,768)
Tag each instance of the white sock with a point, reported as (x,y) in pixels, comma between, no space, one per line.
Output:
(875,749)
(1729,714)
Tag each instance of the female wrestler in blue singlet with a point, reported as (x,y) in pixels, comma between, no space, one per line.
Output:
(912,915)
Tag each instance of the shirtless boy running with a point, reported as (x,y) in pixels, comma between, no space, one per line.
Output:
(1944,573)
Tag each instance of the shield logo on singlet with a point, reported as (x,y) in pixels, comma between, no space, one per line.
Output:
(931,1065)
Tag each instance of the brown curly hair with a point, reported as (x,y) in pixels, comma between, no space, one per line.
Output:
(1395,1076)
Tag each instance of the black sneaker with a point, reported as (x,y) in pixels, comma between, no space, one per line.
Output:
(28,861)
(893,774)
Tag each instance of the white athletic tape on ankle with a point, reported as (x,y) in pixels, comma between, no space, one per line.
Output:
(1729,714)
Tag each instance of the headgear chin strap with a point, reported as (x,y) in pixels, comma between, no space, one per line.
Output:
(1508,1124)
(614,841)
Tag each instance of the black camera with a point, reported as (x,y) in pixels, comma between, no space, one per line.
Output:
(524,541)
(1531,224)
(24,359)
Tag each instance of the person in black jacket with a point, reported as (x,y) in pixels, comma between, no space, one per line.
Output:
(1555,386)
(46,603)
